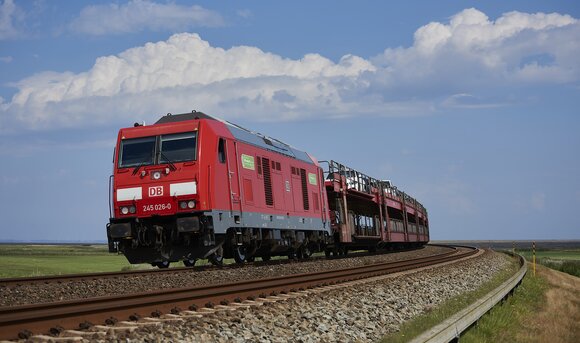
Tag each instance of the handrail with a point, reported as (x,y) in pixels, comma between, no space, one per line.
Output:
(451,328)
(364,183)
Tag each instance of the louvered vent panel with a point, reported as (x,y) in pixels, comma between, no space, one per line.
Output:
(267,181)
(304,189)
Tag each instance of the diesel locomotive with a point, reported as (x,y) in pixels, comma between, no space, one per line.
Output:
(192,186)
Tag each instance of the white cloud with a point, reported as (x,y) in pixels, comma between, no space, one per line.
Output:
(472,51)
(6,59)
(8,14)
(141,15)
(182,73)
(470,62)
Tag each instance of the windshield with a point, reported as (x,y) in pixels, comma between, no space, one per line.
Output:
(137,152)
(178,147)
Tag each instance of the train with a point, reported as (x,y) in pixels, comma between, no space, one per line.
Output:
(192,186)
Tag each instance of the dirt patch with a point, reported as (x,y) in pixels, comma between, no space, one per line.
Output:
(558,319)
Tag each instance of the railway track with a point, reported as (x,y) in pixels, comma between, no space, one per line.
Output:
(6,282)
(21,321)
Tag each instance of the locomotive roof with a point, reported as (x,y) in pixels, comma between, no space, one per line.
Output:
(243,134)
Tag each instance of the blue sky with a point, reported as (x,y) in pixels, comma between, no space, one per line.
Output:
(470,106)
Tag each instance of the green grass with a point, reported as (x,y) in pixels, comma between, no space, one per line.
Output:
(567,261)
(504,323)
(571,267)
(55,250)
(25,260)
(426,321)
(37,260)
(552,254)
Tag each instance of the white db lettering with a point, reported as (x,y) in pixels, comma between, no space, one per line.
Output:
(156,191)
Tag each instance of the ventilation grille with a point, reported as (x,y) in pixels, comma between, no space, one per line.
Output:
(304,189)
(267,181)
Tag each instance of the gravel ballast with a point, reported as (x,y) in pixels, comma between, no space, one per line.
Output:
(359,313)
(69,290)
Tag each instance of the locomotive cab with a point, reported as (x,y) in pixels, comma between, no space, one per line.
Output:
(155,193)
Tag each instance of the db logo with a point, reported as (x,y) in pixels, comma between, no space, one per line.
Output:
(156,191)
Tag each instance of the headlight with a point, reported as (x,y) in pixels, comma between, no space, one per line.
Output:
(124,210)
(186,204)
(132,209)
(156,175)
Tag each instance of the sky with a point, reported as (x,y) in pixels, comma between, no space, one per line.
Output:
(472,107)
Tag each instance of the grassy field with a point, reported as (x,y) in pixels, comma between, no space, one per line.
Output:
(37,260)
(24,260)
(567,261)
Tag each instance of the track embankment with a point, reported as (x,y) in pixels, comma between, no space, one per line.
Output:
(54,316)
(36,290)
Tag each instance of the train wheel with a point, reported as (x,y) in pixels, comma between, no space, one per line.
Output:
(327,253)
(216,260)
(162,265)
(266,258)
(305,252)
(240,254)
(190,262)
(250,259)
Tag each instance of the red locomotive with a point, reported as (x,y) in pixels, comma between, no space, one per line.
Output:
(195,187)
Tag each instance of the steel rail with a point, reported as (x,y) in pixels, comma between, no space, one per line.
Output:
(42,317)
(452,328)
(46,279)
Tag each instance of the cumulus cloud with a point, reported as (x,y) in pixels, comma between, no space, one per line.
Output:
(469,62)
(473,51)
(141,15)
(181,73)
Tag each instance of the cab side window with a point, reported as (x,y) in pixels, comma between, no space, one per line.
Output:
(222,150)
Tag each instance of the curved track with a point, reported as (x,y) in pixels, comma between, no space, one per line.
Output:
(19,321)
(123,274)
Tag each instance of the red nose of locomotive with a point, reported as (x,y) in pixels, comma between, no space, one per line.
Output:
(156,191)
